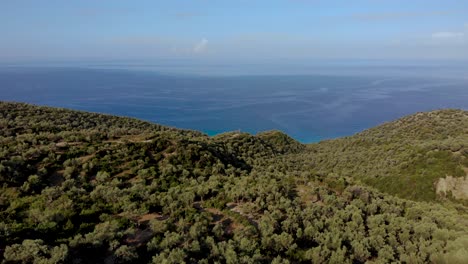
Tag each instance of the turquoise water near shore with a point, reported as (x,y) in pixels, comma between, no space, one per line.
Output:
(307,107)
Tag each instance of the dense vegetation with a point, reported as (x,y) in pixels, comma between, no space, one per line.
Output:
(79,187)
(404,157)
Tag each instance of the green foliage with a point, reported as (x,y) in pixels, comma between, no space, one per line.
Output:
(34,251)
(78,187)
(403,158)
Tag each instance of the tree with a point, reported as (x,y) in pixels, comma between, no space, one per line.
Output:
(34,251)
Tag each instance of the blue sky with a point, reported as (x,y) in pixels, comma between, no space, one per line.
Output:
(233,30)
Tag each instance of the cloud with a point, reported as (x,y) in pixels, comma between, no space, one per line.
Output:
(447,35)
(200,46)
(400,15)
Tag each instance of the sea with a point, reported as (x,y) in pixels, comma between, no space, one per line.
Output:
(310,102)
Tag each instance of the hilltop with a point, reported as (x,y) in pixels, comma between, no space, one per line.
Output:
(80,187)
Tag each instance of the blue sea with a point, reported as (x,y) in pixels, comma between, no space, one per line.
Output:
(309,104)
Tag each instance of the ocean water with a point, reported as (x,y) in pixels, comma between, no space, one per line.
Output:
(308,107)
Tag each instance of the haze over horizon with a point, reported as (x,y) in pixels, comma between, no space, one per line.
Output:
(213,31)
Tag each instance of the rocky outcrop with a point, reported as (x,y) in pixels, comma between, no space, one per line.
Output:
(456,186)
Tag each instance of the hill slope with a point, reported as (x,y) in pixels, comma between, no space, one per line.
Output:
(407,157)
(88,188)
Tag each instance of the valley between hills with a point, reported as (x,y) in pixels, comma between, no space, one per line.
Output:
(80,187)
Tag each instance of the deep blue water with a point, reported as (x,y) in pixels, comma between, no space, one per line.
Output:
(307,107)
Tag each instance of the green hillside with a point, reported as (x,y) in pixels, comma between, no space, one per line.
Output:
(403,158)
(80,187)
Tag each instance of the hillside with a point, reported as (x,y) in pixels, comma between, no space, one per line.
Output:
(79,187)
(412,157)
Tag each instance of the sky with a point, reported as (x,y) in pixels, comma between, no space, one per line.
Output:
(233,29)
